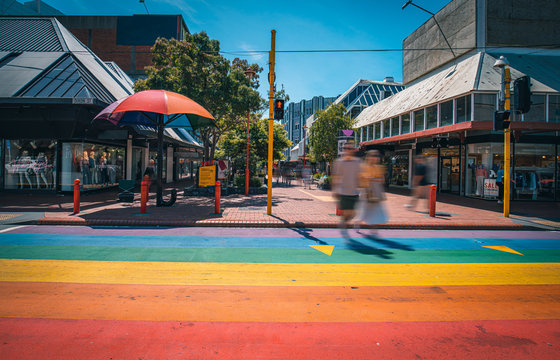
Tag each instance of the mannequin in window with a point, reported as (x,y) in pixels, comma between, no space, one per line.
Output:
(93,168)
(24,168)
(480,176)
(103,169)
(40,168)
(86,172)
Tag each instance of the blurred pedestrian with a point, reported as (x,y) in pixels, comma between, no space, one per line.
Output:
(151,171)
(371,181)
(345,183)
(500,183)
(307,176)
(419,183)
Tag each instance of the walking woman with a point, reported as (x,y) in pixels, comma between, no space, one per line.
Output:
(371,179)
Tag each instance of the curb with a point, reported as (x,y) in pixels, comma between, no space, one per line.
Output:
(266,224)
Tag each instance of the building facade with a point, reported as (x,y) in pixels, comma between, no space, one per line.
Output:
(52,88)
(446,111)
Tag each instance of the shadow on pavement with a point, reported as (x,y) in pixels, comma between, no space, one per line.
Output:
(364,249)
(388,243)
(305,232)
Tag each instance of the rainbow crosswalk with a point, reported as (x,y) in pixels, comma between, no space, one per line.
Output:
(80,292)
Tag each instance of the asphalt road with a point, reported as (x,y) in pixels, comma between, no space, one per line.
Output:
(225,293)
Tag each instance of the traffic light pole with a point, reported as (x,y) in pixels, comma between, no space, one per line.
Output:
(507,142)
(271,80)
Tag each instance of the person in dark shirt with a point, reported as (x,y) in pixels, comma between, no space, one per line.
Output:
(151,170)
(419,182)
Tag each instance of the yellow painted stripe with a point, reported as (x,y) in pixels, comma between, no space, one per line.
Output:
(259,274)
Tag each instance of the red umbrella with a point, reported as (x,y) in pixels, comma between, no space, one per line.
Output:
(158,108)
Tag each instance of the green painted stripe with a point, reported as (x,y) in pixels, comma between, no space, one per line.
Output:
(237,255)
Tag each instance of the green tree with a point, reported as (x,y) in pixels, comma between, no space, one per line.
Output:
(323,135)
(234,144)
(195,68)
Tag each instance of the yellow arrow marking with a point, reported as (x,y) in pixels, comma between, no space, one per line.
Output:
(504,248)
(325,249)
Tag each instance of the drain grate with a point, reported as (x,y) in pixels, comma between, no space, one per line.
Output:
(253,208)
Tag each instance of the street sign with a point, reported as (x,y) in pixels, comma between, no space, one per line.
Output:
(207,176)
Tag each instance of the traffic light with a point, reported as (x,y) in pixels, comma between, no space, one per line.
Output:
(522,94)
(501,120)
(278,109)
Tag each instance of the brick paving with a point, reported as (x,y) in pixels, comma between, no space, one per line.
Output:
(291,206)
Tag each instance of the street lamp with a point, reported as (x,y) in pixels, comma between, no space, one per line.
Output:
(250,73)
(502,64)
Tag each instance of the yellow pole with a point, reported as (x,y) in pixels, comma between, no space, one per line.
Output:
(271,80)
(507,139)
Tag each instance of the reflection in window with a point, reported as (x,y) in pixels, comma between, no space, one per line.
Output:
(534,172)
(446,113)
(537,112)
(554,108)
(431,117)
(386,128)
(30,164)
(405,123)
(395,126)
(463,109)
(484,107)
(419,120)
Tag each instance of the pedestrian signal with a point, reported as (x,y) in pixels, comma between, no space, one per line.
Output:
(278,109)
(501,120)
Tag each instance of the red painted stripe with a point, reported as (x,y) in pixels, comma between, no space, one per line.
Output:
(94,339)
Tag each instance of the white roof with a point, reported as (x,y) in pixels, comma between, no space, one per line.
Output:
(474,72)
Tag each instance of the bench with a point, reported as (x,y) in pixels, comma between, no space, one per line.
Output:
(126,188)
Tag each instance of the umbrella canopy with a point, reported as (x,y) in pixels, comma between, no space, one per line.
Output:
(159,109)
(144,107)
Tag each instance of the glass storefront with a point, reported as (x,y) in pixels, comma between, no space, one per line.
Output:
(97,166)
(533,177)
(30,164)
(483,162)
(397,168)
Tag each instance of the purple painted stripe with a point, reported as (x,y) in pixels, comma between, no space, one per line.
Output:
(280,232)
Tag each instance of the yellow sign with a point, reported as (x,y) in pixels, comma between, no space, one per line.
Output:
(207,176)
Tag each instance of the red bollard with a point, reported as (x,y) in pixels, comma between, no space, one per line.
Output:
(338,212)
(433,189)
(144,188)
(217,195)
(77,196)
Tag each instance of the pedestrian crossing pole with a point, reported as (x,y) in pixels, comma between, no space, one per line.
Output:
(507,143)
(271,80)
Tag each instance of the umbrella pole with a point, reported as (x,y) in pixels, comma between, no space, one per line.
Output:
(159,190)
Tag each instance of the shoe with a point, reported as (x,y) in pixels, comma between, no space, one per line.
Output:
(500,202)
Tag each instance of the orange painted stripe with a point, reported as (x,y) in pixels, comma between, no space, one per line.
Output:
(278,304)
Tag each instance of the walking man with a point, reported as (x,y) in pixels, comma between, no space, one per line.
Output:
(345,183)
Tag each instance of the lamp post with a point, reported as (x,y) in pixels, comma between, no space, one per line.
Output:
(502,64)
(249,72)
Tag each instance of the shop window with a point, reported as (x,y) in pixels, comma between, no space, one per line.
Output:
(30,164)
(446,113)
(533,177)
(554,108)
(419,120)
(431,117)
(386,128)
(483,162)
(484,107)
(397,169)
(97,166)
(405,123)
(395,126)
(370,132)
(537,112)
(463,109)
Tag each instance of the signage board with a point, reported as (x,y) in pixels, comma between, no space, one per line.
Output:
(207,176)
(490,188)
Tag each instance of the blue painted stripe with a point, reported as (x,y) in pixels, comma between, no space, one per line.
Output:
(269,242)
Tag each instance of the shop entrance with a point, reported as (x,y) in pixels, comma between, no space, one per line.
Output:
(449,174)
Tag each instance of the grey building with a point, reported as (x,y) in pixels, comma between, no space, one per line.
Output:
(453,91)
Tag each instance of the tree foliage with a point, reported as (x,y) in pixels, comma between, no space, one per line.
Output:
(234,144)
(323,137)
(195,68)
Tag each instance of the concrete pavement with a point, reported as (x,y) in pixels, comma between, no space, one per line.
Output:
(291,207)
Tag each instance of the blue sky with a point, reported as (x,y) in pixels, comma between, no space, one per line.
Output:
(299,25)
